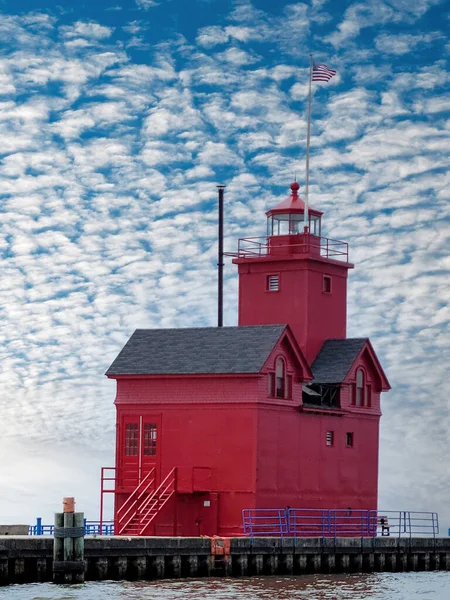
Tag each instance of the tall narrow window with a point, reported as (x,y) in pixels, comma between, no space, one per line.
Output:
(359,387)
(368,397)
(150,439)
(329,439)
(280,378)
(351,391)
(131,439)
(288,390)
(271,384)
(273,283)
(326,284)
(349,439)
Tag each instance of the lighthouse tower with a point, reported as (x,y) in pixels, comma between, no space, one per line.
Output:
(295,276)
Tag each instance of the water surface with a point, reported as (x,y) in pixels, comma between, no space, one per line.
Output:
(375,586)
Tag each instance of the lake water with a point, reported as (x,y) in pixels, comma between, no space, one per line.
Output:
(376,586)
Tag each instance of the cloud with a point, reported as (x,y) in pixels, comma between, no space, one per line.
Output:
(403,43)
(86,29)
(238,57)
(359,16)
(146,4)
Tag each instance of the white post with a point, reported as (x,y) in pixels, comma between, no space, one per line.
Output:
(308,140)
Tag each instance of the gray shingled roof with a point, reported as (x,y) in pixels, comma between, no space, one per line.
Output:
(202,350)
(335,359)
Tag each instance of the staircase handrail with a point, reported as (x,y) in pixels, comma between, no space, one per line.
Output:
(134,498)
(160,491)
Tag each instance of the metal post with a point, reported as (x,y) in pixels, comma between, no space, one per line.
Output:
(220,260)
(308,142)
(101,501)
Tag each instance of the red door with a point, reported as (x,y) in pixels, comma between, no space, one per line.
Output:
(140,448)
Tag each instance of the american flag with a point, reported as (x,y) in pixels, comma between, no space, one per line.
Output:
(322,72)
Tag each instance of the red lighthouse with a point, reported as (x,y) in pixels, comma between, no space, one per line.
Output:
(211,421)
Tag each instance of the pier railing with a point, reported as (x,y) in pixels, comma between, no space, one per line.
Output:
(310,522)
(90,527)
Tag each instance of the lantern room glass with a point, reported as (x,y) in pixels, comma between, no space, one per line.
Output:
(292,224)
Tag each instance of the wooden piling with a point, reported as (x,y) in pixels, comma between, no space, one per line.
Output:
(68,545)
(78,547)
(58,549)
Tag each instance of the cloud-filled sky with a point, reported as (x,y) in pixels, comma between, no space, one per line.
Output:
(118,118)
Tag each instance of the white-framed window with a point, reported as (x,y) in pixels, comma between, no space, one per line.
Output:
(329,438)
(360,387)
(279,382)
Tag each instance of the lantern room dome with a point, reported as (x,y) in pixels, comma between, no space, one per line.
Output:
(293,204)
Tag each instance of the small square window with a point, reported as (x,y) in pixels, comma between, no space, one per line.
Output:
(326,284)
(349,439)
(330,438)
(273,283)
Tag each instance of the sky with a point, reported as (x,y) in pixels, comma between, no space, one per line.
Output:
(118,118)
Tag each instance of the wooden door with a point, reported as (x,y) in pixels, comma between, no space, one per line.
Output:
(140,448)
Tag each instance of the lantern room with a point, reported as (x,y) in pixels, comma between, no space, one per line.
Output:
(287,230)
(288,217)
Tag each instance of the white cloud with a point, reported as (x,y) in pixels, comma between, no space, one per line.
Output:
(211,36)
(146,4)
(403,43)
(86,29)
(238,57)
(361,15)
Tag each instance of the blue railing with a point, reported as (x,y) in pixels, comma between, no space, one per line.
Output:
(91,528)
(302,522)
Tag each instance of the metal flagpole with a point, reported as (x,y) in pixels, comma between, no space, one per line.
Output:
(308,140)
(220,265)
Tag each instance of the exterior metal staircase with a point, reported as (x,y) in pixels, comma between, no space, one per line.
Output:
(145,503)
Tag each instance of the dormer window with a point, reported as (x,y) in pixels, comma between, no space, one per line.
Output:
(359,387)
(279,382)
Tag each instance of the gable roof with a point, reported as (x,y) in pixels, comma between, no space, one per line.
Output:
(335,359)
(203,350)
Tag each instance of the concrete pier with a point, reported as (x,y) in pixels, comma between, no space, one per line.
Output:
(26,559)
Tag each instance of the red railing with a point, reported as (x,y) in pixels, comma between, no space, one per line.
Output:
(106,490)
(154,503)
(258,247)
(132,506)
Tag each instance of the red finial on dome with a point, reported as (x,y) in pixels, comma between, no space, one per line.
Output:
(295,187)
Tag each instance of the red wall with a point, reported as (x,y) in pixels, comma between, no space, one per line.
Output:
(208,431)
(295,467)
(313,315)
